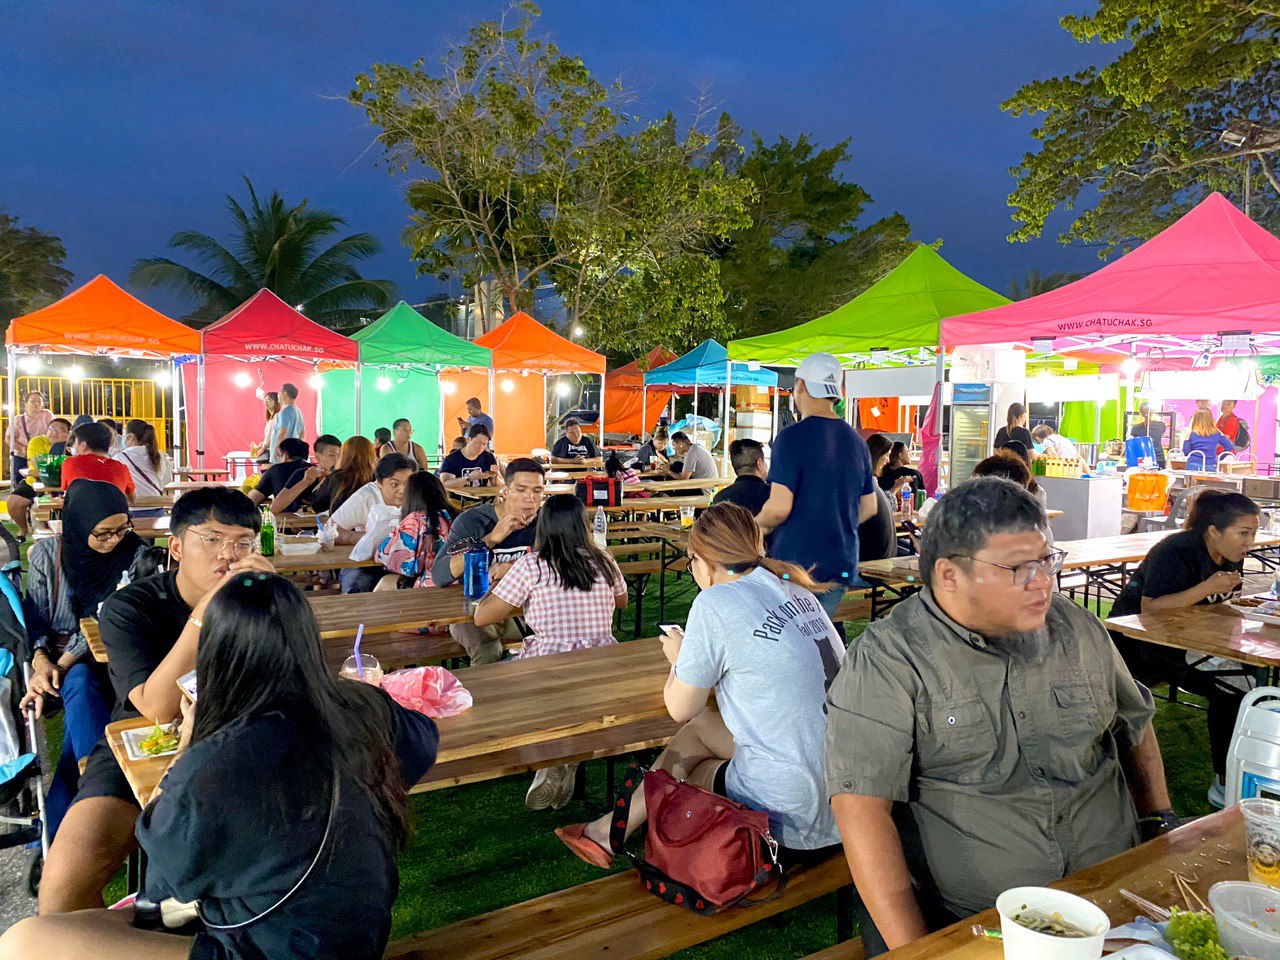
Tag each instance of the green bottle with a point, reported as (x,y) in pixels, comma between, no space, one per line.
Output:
(268,534)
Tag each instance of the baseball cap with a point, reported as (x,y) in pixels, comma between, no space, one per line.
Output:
(821,374)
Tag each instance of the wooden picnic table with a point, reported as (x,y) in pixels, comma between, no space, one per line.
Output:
(148,528)
(44,510)
(1210,849)
(392,611)
(208,472)
(597,702)
(339,558)
(181,486)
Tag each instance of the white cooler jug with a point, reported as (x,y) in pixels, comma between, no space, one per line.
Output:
(1253,762)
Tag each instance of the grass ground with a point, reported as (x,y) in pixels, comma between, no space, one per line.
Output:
(476,848)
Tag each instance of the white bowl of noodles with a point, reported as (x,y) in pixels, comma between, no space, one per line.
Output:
(1038,923)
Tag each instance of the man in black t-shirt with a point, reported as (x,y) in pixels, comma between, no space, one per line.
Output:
(279,476)
(150,630)
(574,446)
(310,486)
(473,465)
(750,489)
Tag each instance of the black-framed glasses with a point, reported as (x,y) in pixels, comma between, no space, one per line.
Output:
(102,536)
(1025,572)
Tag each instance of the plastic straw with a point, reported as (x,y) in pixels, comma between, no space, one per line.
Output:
(359,662)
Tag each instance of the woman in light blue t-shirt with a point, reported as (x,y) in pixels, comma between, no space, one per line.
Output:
(758,638)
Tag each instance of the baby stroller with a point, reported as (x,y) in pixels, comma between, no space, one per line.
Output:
(21,776)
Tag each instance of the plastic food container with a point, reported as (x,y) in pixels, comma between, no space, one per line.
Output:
(1248,917)
(298,548)
(1023,943)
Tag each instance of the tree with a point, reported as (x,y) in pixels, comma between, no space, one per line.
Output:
(1035,284)
(1189,106)
(31,271)
(804,253)
(281,248)
(533,173)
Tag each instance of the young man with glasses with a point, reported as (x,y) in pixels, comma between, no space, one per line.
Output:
(986,734)
(150,630)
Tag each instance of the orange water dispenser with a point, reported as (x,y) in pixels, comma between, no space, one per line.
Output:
(1148,489)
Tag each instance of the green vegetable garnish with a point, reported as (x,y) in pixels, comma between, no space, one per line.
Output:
(1193,936)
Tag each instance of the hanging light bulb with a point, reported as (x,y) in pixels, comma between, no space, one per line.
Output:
(163,378)
(448,387)
(75,373)
(562,389)
(384,384)
(316,382)
(242,379)
(508,386)
(29,364)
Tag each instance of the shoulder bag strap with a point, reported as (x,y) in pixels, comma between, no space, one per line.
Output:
(324,842)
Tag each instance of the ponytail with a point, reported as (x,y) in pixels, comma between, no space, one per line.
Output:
(145,434)
(1015,413)
(726,535)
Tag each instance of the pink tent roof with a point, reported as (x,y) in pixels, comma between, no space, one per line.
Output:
(1213,271)
(265,326)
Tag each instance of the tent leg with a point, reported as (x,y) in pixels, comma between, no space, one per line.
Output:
(320,403)
(644,409)
(175,443)
(544,411)
(359,393)
(728,396)
(12,390)
(493,446)
(777,397)
(440,428)
(600,421)
(200,413)
(695,413)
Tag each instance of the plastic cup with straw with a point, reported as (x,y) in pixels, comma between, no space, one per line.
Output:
(362,666)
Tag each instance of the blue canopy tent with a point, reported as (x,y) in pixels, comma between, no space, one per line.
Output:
(708,365)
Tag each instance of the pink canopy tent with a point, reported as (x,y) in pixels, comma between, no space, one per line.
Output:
(1214,272)
(258,346)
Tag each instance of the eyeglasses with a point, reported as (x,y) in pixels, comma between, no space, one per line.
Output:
(215,544)
(1025,572)
(102,536)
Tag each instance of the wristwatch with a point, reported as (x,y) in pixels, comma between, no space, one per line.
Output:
(1157,824)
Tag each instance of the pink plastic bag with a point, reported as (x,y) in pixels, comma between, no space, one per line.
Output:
(433,691)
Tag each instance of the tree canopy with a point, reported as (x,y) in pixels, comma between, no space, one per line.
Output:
(285,248)
(31,271)
(1188,106)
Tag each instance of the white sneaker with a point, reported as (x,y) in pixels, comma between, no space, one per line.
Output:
(1217,794)
(552,787)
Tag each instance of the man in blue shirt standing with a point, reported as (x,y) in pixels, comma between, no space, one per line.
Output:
(821,486)
(476,416)
(288,421)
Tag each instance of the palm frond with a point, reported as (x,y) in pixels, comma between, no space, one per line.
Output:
(163,272)
(356,295)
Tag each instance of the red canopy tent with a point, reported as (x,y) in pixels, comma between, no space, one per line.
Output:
(262,343)
(1212,273)
(522,345)
(624,393)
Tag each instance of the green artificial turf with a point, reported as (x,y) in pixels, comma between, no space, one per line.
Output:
(476,848)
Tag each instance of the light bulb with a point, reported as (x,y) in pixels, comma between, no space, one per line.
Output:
(578,331)
(508,386)
(75,372)
(1130,366)
(242,379)
(316,382)
(448,387)
(29,364)
(563,388)
(1248,365)
(384,384)
(163,378)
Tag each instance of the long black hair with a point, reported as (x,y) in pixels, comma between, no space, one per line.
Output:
(562,543)
(145,434)
(424,492)
(260,651)
(1218,508)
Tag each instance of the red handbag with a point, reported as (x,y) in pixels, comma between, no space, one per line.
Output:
(704,852)
(600,491)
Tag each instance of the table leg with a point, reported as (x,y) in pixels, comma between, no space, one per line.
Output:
(844,913)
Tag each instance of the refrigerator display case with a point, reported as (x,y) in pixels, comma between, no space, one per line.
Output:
(971,428)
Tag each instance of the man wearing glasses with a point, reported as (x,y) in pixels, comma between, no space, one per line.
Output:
(986,734)
(150,630)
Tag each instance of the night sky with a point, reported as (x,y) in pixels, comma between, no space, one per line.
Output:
(126,121)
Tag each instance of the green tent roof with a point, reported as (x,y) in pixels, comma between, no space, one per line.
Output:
(402,336)
(900,311)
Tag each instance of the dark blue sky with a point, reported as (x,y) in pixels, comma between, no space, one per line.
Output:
(126,121)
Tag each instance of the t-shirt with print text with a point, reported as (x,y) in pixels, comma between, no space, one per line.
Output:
(566,449)
(457,464)
(471,527)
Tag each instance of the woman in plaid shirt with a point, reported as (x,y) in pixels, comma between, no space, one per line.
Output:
(568,589)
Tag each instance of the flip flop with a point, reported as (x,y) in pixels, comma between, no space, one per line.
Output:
(584,848)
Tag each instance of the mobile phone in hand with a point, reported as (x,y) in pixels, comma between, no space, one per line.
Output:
(672,628)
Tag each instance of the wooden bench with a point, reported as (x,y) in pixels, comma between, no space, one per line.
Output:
(849,950)
(613,918)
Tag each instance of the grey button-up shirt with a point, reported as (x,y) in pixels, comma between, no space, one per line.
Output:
(1005,767)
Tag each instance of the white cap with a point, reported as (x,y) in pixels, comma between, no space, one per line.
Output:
(821,374)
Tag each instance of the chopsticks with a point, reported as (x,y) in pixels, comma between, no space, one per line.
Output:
(1155,912)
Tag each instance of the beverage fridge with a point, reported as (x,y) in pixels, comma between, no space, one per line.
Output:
(972,428)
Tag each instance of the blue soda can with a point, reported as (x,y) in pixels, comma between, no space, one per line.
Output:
(475,575)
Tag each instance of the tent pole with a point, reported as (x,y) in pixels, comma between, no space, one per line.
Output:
(644,408)
(320,402)
(724,443)
(600,422)
(544,410)
(12,367)
(200,412)
(695,410)
(777,397)
(440,427)
(175,443)
(359,392)
(492,410)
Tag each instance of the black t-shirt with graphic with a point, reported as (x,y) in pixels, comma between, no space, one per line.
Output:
(565,449)
(1174,564)
(456,464)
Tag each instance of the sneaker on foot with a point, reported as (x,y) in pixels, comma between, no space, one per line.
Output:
(552,787)
(567,784)
(1217,794)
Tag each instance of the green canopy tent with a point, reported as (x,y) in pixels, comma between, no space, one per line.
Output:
(899,312)
(401,356)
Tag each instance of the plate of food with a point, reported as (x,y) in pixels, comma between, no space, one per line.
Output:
(147,743)
(1262,607)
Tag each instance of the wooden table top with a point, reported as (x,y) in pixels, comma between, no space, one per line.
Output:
(1095,552)
(148,528)
(1210,849)
(201,472)
(392,611)
(181,486)
(628,489)
(338,558)
(1212,629)
(579,695)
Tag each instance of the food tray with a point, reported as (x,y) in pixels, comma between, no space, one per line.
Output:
(132,740)
(1262,607)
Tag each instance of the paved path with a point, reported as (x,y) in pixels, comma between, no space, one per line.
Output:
(14,902)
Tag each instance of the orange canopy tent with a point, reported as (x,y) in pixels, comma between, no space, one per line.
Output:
(100,319)
(624,393)
(518,404)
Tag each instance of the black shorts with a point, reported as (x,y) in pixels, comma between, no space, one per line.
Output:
(103,777)
(23,489)
(788,857)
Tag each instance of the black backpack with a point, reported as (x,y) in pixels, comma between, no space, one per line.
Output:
(1242,436)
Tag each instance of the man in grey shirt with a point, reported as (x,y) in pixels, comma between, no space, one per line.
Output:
(986,735)
(696,462)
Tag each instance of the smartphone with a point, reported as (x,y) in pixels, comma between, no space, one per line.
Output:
(911,527)
(672,628)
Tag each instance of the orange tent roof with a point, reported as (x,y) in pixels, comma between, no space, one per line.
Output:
(630,376)
(101,318)
(522,343)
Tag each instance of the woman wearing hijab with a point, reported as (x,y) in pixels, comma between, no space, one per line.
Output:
(69,576)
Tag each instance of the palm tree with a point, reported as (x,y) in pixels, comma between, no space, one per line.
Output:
(279,247)
(1035,284)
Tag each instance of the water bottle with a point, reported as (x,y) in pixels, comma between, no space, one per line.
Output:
(267,535)
(600,529)
(475,573)
(908,501)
